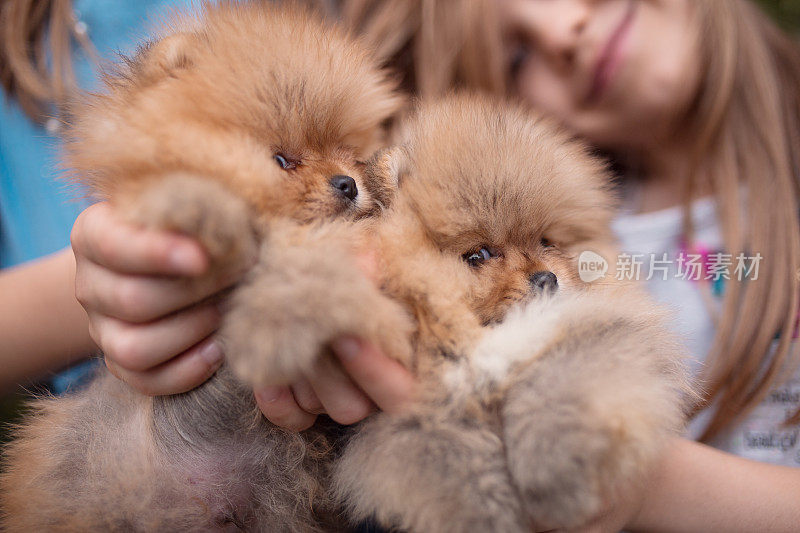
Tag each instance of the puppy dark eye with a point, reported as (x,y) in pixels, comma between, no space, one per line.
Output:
(285,162)
(519,54)
(546,243)
(477,258)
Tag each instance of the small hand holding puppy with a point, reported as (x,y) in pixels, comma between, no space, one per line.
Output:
(156,330)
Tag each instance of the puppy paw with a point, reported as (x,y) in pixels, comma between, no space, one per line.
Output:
(202,209)
(561,471)
(304,292)
(579,430)
(419,473)
(593,389)
(274,331)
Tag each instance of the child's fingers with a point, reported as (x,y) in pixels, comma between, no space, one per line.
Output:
(141,299)
(99,236)
(180,374)
(280,408)
(345,394)
(342,399)
(306,398)
(140,347)
(384,380)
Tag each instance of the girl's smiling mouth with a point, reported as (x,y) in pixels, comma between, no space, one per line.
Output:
(610,58)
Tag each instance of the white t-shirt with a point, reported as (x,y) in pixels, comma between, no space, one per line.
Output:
(646,238)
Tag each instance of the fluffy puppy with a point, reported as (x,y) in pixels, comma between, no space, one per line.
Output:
(241,114)
(539,396)
(267,101)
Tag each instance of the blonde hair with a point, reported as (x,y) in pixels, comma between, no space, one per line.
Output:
(747,128)
(433,45)
(36,41)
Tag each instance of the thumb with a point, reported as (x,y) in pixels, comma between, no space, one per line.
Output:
(384,380)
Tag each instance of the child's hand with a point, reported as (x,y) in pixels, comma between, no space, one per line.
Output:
(348,393)
(155,336)
(142,313)
(364,379)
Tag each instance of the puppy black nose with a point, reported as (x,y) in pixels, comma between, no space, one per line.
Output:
(544,282)
(345,185)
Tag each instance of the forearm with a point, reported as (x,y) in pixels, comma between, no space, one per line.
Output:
(42,325)
(697,488)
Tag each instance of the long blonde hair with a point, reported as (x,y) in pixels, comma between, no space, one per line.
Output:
(747,134)
(433,45)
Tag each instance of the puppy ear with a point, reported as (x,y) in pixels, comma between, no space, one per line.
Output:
(383,173)
(162,58)
(388,166)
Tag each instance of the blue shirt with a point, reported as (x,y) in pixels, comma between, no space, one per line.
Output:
(37,208)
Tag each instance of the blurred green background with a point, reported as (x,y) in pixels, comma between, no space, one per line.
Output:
(786,12)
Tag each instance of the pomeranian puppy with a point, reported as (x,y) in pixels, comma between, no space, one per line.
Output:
(539,396)
(233,116)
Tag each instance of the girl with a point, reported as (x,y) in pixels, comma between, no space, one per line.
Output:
(688,117)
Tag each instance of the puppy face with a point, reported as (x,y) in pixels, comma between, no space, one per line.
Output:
(502,200)
(267,99)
